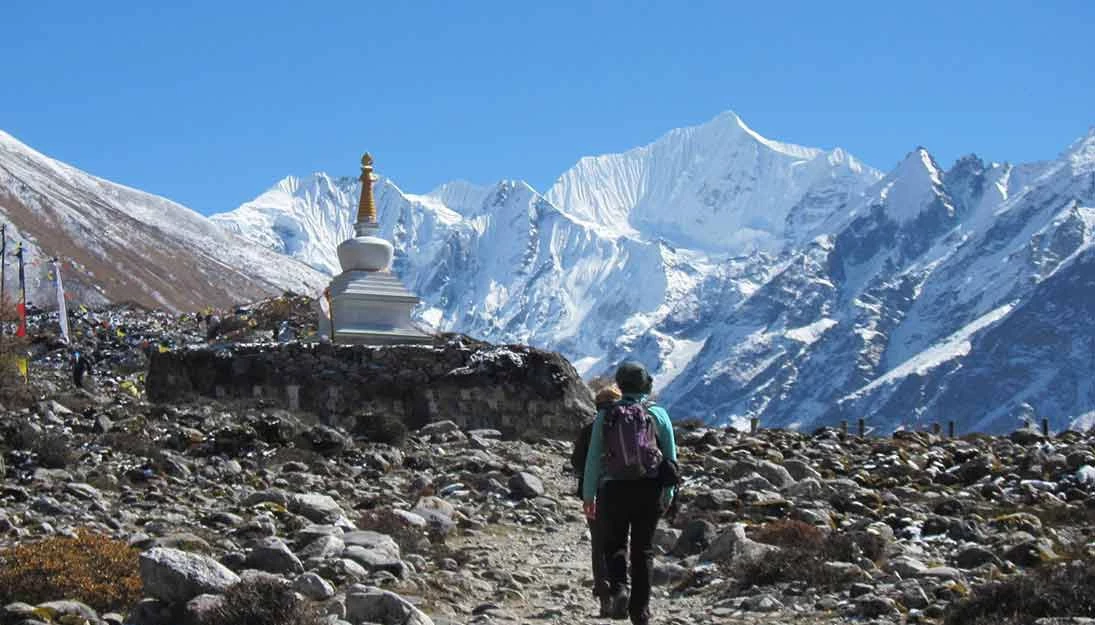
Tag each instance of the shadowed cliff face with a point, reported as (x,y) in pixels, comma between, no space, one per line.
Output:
(517,390)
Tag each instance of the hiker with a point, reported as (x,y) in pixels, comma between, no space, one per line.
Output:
(629,470)
(80,366)
(605,399)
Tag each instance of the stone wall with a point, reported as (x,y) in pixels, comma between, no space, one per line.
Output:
(518,390)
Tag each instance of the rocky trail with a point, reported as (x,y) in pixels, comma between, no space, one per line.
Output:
(114,510)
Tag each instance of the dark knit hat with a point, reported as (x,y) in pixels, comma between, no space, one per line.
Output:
(631,377)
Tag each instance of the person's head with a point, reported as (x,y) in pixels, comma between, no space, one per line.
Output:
(607,396)
(632,378)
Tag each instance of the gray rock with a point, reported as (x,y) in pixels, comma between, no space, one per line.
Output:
(273,556)
(175,576)
(800,470)
(439,427)
(525,485)
(872,606)
(750,482)
(151,612)
(761,603)
(316,508)
(942,572)
(732,545)
(912,595)
(372,540)
(668,573)
(383,607)
(905,566)
(58,609)
(774,473)
(314,587)
(665,538)
(200,609)
(18,611)
(374,559)
(846,572)
(974,556)
(1031,553)
(323,547)
(342,571)
(83,491)
(263,496)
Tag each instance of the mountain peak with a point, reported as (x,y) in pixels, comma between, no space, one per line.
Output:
(915,182)
(732,121)
(1081,154)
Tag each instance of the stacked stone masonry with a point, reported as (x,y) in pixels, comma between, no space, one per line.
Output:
(517,390)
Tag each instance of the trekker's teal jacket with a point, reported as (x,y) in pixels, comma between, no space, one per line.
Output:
(594,474)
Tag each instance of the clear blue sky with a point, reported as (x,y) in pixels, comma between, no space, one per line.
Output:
(212,103)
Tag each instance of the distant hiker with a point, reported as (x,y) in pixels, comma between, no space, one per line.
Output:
(629,470)
(286,332)
(212,326)
(605,399)
(80,366)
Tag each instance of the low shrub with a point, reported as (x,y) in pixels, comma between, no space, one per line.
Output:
(95,569)
(263,602)
(790,533)
(1057,591)
(803,552)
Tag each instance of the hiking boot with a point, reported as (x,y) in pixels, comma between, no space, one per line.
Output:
(606,606)
(618,608)
(641,618)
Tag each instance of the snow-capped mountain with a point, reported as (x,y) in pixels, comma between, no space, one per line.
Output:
(755,278)
(758,278)
(719,187)
(117,243)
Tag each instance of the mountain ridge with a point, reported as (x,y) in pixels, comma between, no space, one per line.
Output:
(846,284)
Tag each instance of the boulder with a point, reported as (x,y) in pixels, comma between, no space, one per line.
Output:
(381,606)
(175,576)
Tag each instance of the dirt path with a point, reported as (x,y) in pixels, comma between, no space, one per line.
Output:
(542,575)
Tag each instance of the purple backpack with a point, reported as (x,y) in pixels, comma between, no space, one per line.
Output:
(630,442)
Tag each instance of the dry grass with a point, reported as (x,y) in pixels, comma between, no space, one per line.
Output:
(804,550)
(95,569)
(263,602)
(1063,590)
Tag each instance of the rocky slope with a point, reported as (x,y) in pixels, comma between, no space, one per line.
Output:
(120,244)
(452,526)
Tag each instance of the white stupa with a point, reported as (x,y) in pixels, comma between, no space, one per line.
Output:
(368,304)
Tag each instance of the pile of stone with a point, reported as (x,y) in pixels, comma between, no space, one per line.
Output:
(459,523)
(929,518)
(212,497)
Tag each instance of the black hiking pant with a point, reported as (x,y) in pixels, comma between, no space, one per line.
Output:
(630,507)
(597,553)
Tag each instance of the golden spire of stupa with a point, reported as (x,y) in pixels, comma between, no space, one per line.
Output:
(366,207)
